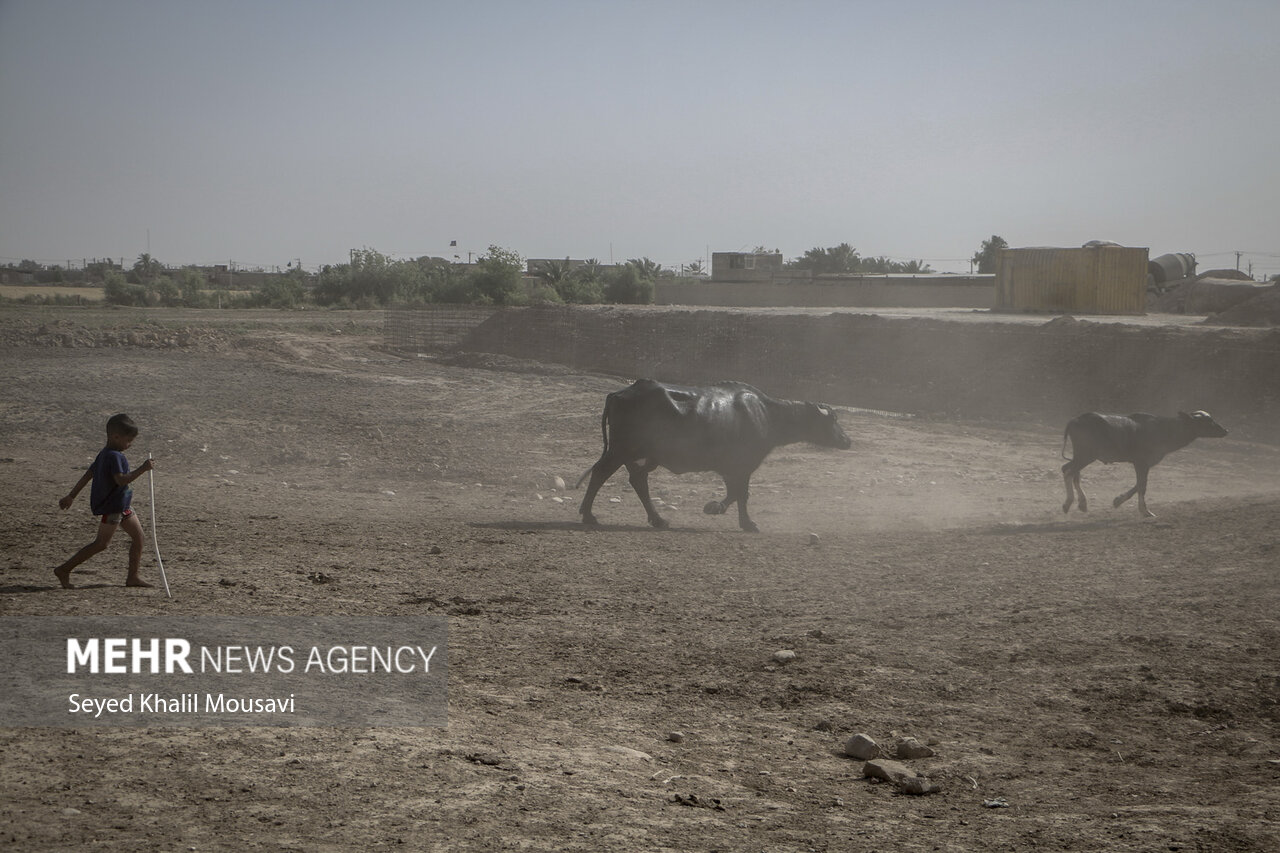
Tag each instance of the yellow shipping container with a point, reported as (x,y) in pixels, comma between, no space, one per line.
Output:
(1091,280)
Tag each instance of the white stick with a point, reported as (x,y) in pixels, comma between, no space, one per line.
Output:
(151,479)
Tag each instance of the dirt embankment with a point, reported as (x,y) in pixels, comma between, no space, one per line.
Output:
(973,370)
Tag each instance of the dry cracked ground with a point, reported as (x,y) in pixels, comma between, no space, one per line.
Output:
(1085,682)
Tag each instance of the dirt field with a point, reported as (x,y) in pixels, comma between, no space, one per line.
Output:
(18,291)
(1113,682)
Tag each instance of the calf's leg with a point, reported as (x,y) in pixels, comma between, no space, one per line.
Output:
(1139,489)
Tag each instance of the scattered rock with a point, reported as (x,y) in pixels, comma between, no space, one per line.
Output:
(628,752)
(888,770)
(909,748)
(488,759)
(862,747)
(675,737)
(698,802)
(784,656)
(918,785)
(813,539)
(559,484)
(997,803)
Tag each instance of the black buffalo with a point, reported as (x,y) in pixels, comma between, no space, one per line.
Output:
(728,428)
(1141,439)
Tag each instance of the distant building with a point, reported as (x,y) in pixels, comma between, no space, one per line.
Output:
(745,266)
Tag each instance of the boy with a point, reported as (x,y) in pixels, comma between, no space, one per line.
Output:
(110,499)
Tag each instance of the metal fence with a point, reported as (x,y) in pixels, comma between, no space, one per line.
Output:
(433,328)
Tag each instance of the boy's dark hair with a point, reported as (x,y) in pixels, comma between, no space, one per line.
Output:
(122,424)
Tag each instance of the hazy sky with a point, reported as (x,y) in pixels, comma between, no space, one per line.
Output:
(264,131)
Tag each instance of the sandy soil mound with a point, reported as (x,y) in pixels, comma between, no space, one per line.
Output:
(1261,309)
(1213,294)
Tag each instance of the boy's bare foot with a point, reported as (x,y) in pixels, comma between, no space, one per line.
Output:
(64,578)
(135,581)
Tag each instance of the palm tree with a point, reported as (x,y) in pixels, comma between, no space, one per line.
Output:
(647,268)
(589,270)
(147,267)
(555,272)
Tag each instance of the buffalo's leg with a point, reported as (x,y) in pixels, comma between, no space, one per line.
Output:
(1139,489)
(601,471)
(744,521)
(738,489)
(717,507)
(1067,474)
(639,476)
(1071,478)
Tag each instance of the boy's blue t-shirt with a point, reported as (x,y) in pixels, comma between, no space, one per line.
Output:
(107,496)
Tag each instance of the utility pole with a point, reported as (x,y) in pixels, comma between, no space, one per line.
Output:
(1238,261)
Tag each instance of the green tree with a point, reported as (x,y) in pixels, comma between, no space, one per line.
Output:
(146,268)
(281,291)
(584,284)
(985,258)
(913,267)
(191,284)
(117,290)
(651,270)
(372,278)
(834,260)
(629,285)
(555,272)
(496,280)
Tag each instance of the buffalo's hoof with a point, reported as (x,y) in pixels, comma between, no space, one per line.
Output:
(659,522)
(590,520)
(750,527)
(1066,507)
(714,508)
(1117,502)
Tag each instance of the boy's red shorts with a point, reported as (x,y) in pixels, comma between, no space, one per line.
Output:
(116,517)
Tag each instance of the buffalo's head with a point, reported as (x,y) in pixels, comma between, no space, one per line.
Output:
(1202,424)
(821,427)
